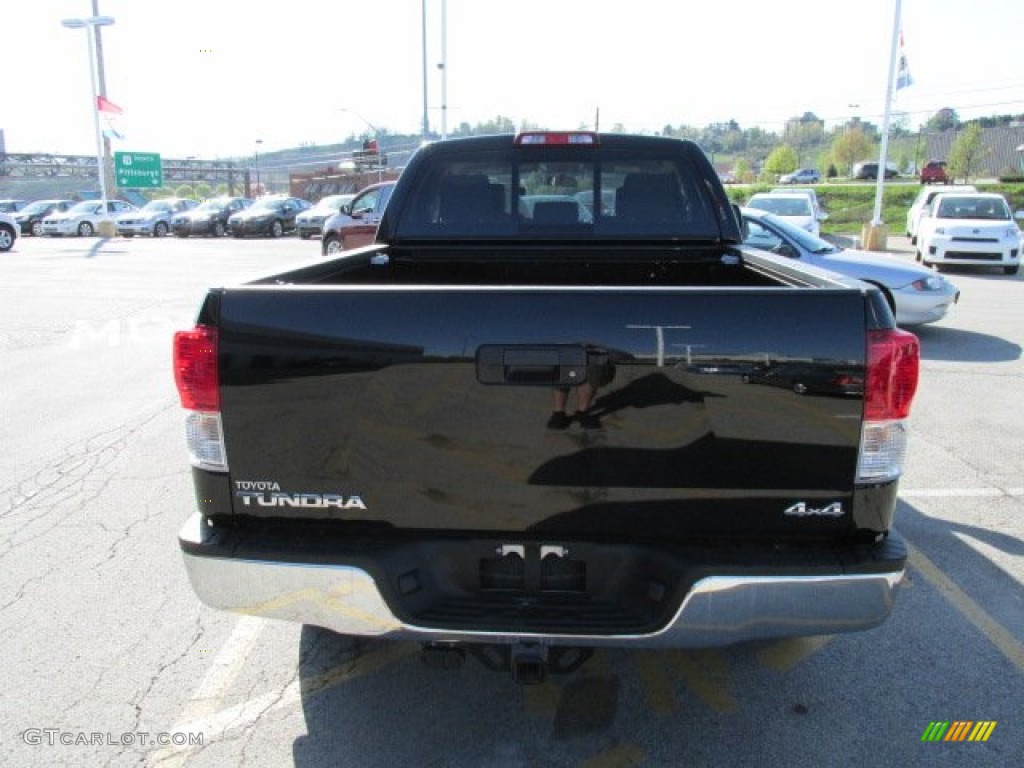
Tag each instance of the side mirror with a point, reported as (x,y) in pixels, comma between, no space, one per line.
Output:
(822,216)
(785,249)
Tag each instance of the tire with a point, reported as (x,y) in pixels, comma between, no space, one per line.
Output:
(182,235)
(85,229)
(1011,270)
(7,238)
(276,228)
(332,245)
(160,230)
(37,228)
(218,229)
(128,234)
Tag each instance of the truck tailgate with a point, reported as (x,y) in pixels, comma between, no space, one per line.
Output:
(719,409)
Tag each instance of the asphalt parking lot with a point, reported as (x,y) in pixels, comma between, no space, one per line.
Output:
(112,660)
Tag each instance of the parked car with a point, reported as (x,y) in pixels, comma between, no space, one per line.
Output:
(934,172)
(870,171)
(793,207)
(915,295)
(154,218)
(12,206)
(310,222)
(83,218)
(8,231)
(210,217)
(30,218)
(273,216)
(970,229)
(801,176)
(922,201)
(809,193)
(358,227)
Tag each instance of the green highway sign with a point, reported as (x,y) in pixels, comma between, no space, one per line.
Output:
(138,169)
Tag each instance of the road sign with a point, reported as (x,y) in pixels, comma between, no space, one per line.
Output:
(138,169)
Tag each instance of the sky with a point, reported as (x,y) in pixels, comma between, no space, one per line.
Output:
(211,78)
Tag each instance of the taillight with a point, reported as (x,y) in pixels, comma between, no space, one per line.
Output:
(195,368)
(196,375)
(893,365)
(894,358)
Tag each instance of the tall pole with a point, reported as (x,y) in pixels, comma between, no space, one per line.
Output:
(101,84)
(257,192)
(876,219)
(425,130)
(444,69)
(87,24)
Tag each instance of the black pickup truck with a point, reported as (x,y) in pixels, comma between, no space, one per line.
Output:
(556,405)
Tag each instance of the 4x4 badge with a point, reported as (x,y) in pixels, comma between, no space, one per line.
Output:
(800,509)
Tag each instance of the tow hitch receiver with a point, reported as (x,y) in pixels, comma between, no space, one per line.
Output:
(531,663)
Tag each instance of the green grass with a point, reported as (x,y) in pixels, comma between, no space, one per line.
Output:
(850,206)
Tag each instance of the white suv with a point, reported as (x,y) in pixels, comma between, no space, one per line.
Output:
(970,229)
(921,203)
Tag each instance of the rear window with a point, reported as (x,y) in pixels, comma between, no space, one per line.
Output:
(973,208)
(558,193)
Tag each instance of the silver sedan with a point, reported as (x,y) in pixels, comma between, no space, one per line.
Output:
(915,294)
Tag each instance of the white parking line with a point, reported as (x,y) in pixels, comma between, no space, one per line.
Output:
(960,493)
(215,683)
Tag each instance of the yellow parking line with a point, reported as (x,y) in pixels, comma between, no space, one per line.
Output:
(996,633)
(706,676)
(619,756)
(658,685)
(783,655)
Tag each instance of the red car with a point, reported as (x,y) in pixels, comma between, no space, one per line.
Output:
(355,225)
(934,172)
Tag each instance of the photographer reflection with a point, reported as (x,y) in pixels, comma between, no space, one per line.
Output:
(600,371)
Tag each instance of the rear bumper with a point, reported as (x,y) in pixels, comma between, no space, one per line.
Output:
(722,605)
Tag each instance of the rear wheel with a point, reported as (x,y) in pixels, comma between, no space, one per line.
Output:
(85,229)
(218,229)
(276,228)
(6,238)
(160,230)
(37,228)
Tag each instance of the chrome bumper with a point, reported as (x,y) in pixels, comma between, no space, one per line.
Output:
(719,610)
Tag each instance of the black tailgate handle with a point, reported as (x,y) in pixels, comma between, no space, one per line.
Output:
(532,365)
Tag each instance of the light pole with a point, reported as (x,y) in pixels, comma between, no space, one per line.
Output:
(258,142)
(89,24)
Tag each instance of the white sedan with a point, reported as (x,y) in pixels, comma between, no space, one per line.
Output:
(915,294)
(84,218)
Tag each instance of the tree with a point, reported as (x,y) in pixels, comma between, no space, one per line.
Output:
(966,153)
(850,147)
(783,159)
(944,120)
